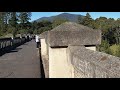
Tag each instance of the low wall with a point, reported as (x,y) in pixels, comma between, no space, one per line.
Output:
(44,56)
(93,64)
(72,54)
(6,44)
(57,61)
(59,65)
(79,62)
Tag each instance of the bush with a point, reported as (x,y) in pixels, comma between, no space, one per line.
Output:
(115,50)
(104,47)
(10,30)
(22,31)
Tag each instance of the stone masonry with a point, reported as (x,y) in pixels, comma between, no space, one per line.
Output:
(70,50)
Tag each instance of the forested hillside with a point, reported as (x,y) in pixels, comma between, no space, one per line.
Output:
(70,17)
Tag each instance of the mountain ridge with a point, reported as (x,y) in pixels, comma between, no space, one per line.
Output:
(68,16)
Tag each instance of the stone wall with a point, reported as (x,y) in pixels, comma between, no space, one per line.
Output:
(44,54)
(72,54)
(93,64)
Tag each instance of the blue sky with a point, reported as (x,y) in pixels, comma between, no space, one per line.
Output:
(94,15)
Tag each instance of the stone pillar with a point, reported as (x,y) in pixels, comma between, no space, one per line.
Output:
(59,64)
(57,45)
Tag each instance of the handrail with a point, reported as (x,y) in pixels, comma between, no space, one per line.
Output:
(6,44)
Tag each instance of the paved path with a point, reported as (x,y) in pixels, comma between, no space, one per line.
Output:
(23,62)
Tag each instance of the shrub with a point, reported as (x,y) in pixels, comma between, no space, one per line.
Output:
(115,50)
(104,47)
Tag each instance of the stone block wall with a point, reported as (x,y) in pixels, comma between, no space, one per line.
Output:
(71,53)
(92,64)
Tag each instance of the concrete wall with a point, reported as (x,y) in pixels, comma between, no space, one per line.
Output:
(60,62)
(93,64)
(79,62)
(59,65)
(43,47)
(91,48)
(44,57)
(69,53)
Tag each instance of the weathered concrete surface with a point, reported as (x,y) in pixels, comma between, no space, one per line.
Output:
(43,47)
(75,38)
(93,64)
(71,26)
(44,57)
(70,33)
(45,62)
(91,48)
(59,66)
(21,63)
(58,48)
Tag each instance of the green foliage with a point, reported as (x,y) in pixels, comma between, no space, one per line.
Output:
(80,20)
(14,22)
(10,30)
(115,50)
(110,33)
(104,47)
(24,18)
(117,34)
(87,21)
(22,31)
(35,31)
(39,27)
(43,29)
(58,21)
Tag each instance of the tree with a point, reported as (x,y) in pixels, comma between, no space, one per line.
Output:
(116,32)
(58,21)
(4,18)
(13,23)
(87,20)
(104,47)
(39,27)
(24,18)
(80,20)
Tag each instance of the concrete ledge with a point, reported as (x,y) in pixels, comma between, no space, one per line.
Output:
(65,38)
(45,61)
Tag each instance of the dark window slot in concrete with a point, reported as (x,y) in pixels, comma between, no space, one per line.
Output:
(89,45)
(59,47)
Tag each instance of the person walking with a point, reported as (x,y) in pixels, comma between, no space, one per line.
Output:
(37,40)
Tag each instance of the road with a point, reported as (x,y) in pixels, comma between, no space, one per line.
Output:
(23,62)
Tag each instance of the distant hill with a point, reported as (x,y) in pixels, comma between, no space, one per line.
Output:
(70,17)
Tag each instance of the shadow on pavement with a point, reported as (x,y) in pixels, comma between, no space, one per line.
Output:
(14,50)
(41,66)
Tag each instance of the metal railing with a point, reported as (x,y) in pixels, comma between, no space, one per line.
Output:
(7,44)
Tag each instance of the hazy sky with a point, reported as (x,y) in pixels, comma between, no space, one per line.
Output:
(94,15)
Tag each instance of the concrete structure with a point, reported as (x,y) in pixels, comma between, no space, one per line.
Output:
(44,54)
(69,51)
(93,64)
